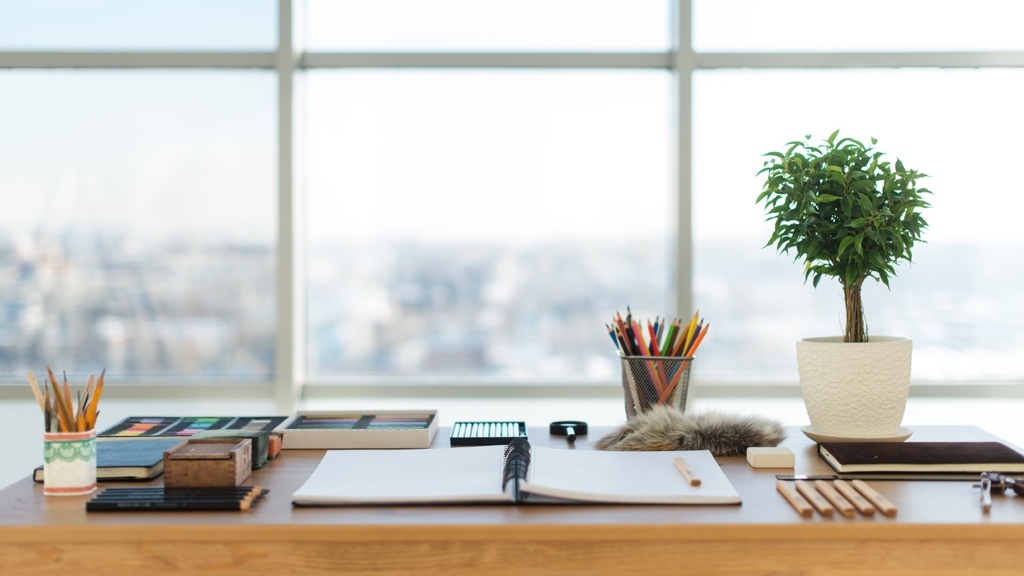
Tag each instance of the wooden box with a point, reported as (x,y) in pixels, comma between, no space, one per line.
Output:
(208,462)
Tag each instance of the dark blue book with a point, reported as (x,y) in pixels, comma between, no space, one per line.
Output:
(128,459)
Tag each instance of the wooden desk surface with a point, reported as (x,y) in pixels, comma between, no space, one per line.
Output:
(940,529)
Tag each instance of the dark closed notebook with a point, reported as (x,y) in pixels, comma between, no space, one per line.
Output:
(921,457)
(128,459)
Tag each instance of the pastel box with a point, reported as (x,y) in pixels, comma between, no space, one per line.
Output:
(332,430)
(208,462)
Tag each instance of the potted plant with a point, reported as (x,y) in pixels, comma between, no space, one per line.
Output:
(849,214)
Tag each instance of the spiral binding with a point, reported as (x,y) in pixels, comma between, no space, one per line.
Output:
(517,462)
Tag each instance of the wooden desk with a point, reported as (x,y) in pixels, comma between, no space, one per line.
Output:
(940,530)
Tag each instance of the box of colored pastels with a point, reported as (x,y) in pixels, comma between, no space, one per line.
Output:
(486,433)
(359,429)
(188,426)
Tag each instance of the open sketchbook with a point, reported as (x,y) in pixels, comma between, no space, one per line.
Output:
(482,474)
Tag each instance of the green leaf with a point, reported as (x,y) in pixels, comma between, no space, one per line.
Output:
(844,244)
(851,276)
(865,202)
(883,276)
(826,198)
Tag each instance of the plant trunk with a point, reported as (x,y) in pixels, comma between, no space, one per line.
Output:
(856,328)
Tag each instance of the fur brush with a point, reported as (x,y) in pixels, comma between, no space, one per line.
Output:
(666,428)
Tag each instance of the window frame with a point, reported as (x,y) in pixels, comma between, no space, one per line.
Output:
(291,384)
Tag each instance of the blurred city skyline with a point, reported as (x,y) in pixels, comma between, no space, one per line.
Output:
(512,313)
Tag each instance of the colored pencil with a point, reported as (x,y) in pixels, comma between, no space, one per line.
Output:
(620,327)
(667,346)
(700,337)
(653,346)
(689,334)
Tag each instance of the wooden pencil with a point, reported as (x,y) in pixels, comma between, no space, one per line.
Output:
(36,392)
(815,498)
(880,502)
(795,500)
(866,508)
(837,499)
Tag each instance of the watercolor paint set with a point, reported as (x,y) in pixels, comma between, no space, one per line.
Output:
(359,429)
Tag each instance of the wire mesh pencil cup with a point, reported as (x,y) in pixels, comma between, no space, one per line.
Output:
(651,380)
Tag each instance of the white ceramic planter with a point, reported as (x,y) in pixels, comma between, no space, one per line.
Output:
(855,390)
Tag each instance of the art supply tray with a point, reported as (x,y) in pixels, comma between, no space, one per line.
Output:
(330,430)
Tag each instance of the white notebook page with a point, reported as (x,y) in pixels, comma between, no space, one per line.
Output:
(404,476)
(627,477)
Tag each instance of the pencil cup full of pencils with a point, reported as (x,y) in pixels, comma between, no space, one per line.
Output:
(656,359)
(69,435)
(651,380)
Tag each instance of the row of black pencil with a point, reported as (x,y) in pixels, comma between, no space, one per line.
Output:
(159,498)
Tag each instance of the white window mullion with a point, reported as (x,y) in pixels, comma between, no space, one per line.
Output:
(683,66)
(79,59)
(289,336)
(534,60)
(839,60)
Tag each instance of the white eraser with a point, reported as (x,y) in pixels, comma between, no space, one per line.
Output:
(759,457)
